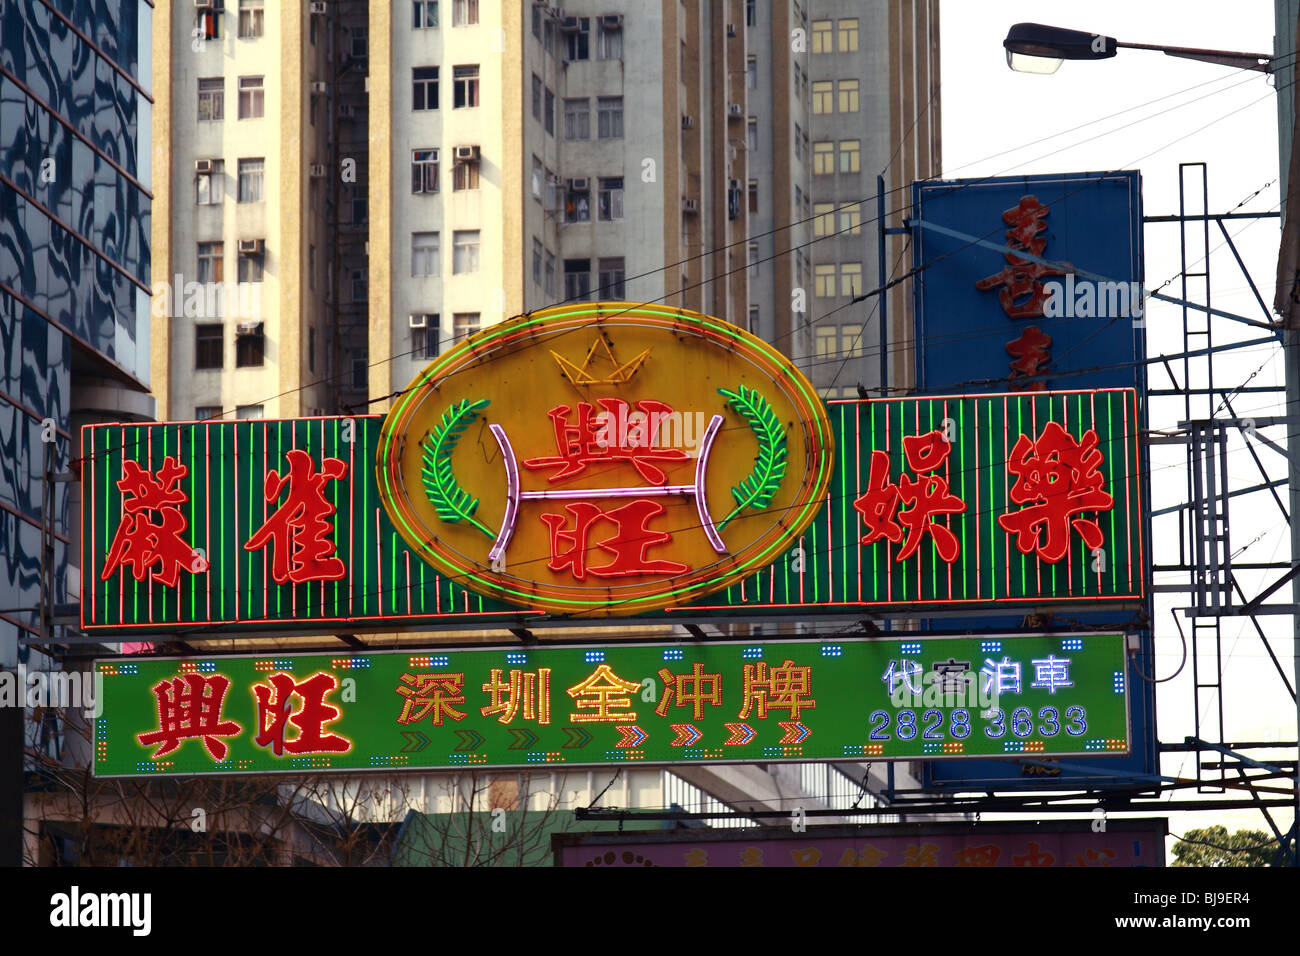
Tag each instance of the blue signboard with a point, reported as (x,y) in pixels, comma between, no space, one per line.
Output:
(1029,282)
(1033,283)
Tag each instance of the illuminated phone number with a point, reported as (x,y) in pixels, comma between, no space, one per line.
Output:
(1021,723)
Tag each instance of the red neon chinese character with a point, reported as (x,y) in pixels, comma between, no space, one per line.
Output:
(1060,476)
(1021,292)
(628,544)
(927,497)
(298,528)
(275,710)
(1031,355)
(190,706)
(143,543)
(609,437)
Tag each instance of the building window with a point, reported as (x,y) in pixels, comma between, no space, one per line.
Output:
(850,278)
(357,39)
(247,412)
(550,273)
(537,21)
(848,96)
(464,324)
(577,38)
(548,111)
(611,279)
(821,36)
(823,218)
(751,72)
(610,117)
(250,18)
(424,170)
(424,88)
(609,199)
(537,179)
(753,319)
(360,373)
(464,13)
(209,187)
(210,259)
(752,134)
(250,266)
(252,104)
(424,254)
(751,14)
(753,195)
(823,97)
(358,285)
(464,174)
(464,87)
(464,251)
(577,279)
(826,343)
(250,346)
(211,99)
(753,260)
(798,199)
(851,220)
(204,413)
(851,341)
(823,158)
(209,341)
(611,39)
(849,35)
(311,348)
(850,155)
(537,262)
(798,135)
(252,175)
(424,14)
(537,93)
(824,281)
(424,342)
(577,201)
(577,119)
(208,24)
(360,206)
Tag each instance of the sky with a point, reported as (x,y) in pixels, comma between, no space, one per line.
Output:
(1144,110)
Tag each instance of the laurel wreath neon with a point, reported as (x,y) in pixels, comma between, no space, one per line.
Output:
(757,490)
(453,503)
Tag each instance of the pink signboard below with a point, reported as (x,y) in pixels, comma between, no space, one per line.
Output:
(1138,842)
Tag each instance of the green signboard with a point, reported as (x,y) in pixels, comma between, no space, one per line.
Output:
(876,699)
(981,503)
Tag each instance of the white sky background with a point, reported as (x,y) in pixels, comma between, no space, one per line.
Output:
(1229,120)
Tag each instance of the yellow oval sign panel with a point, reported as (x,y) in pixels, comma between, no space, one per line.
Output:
(605,459)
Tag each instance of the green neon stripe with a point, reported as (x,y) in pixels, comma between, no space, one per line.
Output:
(844,518)
(1110,462)
(875,550)
(934,563)
(993,539)
(1006,457)
(961,453)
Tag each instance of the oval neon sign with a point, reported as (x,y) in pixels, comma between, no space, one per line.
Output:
(605,459)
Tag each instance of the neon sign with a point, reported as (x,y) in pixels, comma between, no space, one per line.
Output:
(720,702)
(593,506)
(995,502)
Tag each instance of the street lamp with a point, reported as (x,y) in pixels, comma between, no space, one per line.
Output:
(1036,48)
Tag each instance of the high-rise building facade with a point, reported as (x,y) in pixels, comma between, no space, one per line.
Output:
(75,191)
(872,79)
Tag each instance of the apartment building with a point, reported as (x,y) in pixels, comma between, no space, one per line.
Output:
(527,155)
(872,81)
(247,175)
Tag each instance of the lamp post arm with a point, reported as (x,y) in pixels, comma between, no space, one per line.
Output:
(1245,61)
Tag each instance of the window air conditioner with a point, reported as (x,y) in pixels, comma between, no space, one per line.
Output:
(251,247)
(202,166)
